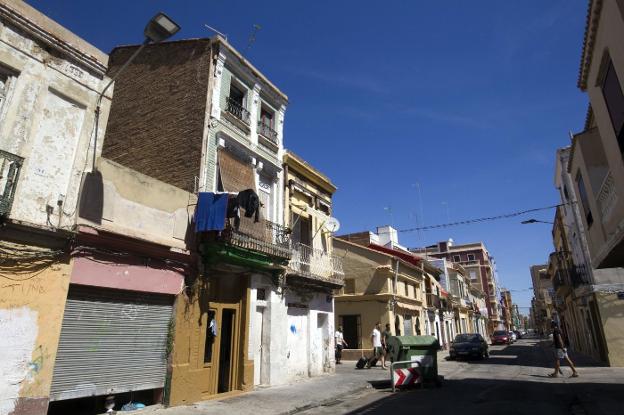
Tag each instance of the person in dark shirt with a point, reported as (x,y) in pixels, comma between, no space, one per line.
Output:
(384,344)
(560,352)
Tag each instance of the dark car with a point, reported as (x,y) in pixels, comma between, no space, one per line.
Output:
(518,334)
(469,345)
(500,337)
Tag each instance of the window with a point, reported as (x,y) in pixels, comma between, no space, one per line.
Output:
(301,230)
(6,84)
(237,95)
(349,287)
(614,99)
(456,258)
(471,257)
(266,117)
(584,200)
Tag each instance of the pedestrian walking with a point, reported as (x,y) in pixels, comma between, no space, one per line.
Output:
(384,345)
(376,341)
(340,344)
(560,352)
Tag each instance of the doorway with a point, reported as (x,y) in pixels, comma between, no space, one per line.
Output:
(225,350)
(351,331)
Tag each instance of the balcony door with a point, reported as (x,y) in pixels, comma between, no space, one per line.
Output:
(302,230)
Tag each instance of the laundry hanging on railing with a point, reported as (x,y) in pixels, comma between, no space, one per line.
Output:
(210,212)
(249,201)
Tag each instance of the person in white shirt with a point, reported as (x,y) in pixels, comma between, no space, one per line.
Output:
(340,344)
(376,341)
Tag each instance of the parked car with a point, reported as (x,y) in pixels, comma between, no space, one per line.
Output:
(512,337)
(469,345)
(500,337)
(518,334)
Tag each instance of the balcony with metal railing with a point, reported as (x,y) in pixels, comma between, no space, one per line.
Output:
(10,166)
(607,197)
(236,108)
(267,131)
(265,237)
(316,264)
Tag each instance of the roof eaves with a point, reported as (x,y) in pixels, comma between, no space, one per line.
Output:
(591,28)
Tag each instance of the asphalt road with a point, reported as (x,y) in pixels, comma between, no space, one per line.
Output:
(512,381)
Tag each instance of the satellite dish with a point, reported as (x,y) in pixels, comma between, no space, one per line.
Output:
(332,225)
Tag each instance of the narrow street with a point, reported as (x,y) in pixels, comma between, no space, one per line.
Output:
(512,381)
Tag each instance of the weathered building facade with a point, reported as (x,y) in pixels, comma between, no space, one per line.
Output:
(479,265)
(197,115)
(49,84)
(314,271)
(587,267)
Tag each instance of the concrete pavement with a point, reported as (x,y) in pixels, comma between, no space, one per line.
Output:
(325,390)
(512,381)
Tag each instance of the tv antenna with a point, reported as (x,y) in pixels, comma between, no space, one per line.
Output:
(252,37)
(216,31)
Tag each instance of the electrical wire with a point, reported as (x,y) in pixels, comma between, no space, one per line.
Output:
(479,220)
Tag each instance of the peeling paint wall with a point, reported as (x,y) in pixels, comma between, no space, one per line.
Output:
(31,311)
(48,119)
(139,206)
(18,329)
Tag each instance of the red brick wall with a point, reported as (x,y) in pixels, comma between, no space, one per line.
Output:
(159,106)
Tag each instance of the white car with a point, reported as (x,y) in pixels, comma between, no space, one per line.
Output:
(512,336)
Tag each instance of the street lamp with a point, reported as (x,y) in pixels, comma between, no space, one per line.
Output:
(159,28)
(528,221)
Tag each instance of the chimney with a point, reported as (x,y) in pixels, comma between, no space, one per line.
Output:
(387,235)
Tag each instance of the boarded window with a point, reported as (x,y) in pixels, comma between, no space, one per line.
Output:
(614,99)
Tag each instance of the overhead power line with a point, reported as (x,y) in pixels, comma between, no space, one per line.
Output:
(479,220)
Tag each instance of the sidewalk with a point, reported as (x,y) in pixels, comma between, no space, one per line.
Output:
(285,399)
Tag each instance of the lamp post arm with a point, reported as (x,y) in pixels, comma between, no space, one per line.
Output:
(101,96)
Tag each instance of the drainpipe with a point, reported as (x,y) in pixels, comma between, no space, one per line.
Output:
(396,286)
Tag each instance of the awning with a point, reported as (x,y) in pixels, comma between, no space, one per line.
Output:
(406,306)
(235,174)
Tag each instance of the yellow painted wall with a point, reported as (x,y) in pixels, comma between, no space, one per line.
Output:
(191,379)
(370,313)
(31,314)
(612,315)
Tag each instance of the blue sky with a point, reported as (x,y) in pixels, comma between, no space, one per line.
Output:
(465,101)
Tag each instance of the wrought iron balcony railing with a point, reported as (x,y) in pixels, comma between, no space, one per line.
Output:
(10,166)
(264,236)
(316,263)
(269,133)
(236,109)
(607,197)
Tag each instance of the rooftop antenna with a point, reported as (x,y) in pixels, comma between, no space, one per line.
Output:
(252,37)
(216,31)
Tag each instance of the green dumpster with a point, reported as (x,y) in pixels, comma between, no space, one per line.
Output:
(421,350)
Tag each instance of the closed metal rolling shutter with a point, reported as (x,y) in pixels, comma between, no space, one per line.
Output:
(112,341)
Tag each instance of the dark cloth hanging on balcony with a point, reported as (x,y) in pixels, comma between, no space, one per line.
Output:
(247,200)
(210,211)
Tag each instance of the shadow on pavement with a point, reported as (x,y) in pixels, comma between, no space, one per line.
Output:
(492,396)
(532,354)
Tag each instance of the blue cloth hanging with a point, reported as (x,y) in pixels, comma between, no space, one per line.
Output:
(210,211)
